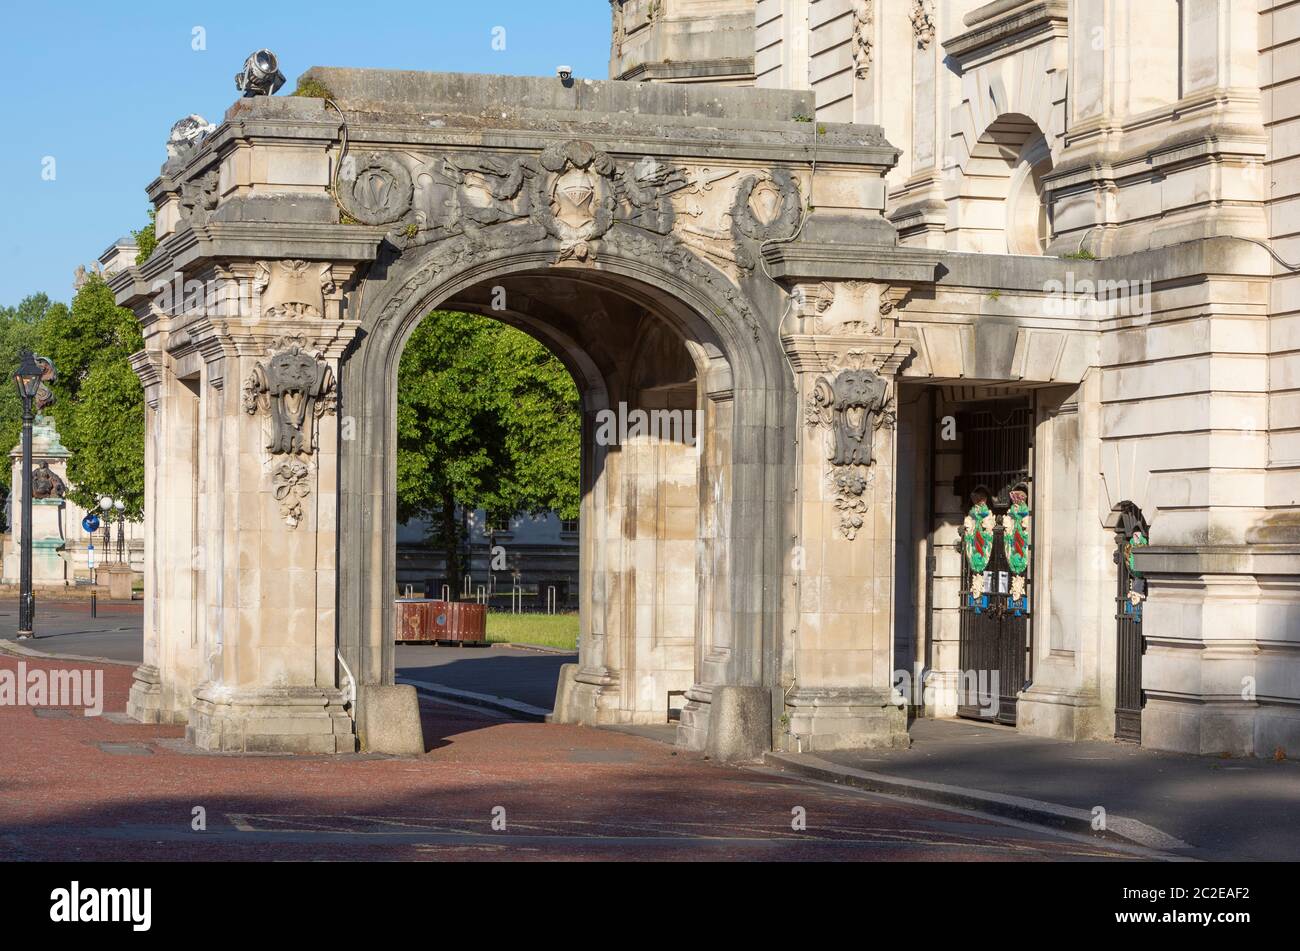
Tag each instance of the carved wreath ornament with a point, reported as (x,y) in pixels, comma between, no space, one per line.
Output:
(852,404)
(291,390)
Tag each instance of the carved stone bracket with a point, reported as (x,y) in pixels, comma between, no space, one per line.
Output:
(294,388)
(199,197)
(848,308)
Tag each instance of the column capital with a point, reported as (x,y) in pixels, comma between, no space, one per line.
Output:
(817,353)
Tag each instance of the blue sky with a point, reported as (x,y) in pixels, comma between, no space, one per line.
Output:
(97,86)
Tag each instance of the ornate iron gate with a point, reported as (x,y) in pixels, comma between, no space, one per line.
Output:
(1130,645)
(997,566)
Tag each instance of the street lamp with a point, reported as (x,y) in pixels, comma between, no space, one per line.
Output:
(120,507)
(106,505)
(28,379)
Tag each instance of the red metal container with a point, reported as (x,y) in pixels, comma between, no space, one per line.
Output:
(421,620)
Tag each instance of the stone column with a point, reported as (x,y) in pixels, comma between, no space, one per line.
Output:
(162,684)
(271,429)
(839,662)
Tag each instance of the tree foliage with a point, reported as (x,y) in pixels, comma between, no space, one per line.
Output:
(486,418)
(100,405)
(146,239)
(20,329)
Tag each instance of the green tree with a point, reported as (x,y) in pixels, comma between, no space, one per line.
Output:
(486,418)
(100,406)
(146,239)
(20,329)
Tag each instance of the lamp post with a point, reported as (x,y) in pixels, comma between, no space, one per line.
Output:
(28,380)
(106,506)
(120,507)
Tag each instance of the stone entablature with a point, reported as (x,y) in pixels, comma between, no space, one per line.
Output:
(682,41)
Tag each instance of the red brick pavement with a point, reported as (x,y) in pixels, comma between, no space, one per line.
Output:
(567,792)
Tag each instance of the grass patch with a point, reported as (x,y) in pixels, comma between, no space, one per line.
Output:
(545,630)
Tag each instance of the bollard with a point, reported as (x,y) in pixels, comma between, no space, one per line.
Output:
(94,605)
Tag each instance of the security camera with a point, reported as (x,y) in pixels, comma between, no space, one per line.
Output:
(565,73)
(260,76)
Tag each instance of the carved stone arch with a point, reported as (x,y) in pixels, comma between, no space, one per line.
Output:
(737,381)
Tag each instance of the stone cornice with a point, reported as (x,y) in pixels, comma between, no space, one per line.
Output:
(1000,24)
(803,261)
(237,240)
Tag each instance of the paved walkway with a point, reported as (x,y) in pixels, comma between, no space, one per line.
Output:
(1246,809)
(103,788)
(1220,808)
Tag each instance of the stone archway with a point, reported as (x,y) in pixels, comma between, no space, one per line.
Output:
(710,255)
(625,311)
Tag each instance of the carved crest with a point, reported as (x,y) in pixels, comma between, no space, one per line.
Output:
(576,201)
(288,289)
(293,388)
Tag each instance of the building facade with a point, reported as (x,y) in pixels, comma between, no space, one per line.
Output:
(528,561)
(987,312)
(1151,145)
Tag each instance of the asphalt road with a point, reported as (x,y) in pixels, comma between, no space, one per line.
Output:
(67,629)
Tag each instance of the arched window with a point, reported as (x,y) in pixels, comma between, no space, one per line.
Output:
(1000,208)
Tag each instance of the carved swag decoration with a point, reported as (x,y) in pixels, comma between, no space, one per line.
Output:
(852,404)
(292,389)
(467,206)
(575,193)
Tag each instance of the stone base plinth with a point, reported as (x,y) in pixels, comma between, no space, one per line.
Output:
(829,719)
(148,702)
(119,580)
(693,727)
(270,720)
(1063,714)
(1234,728)
(585,696)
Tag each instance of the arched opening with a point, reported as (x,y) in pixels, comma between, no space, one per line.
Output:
(657,490)
(1000,207)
